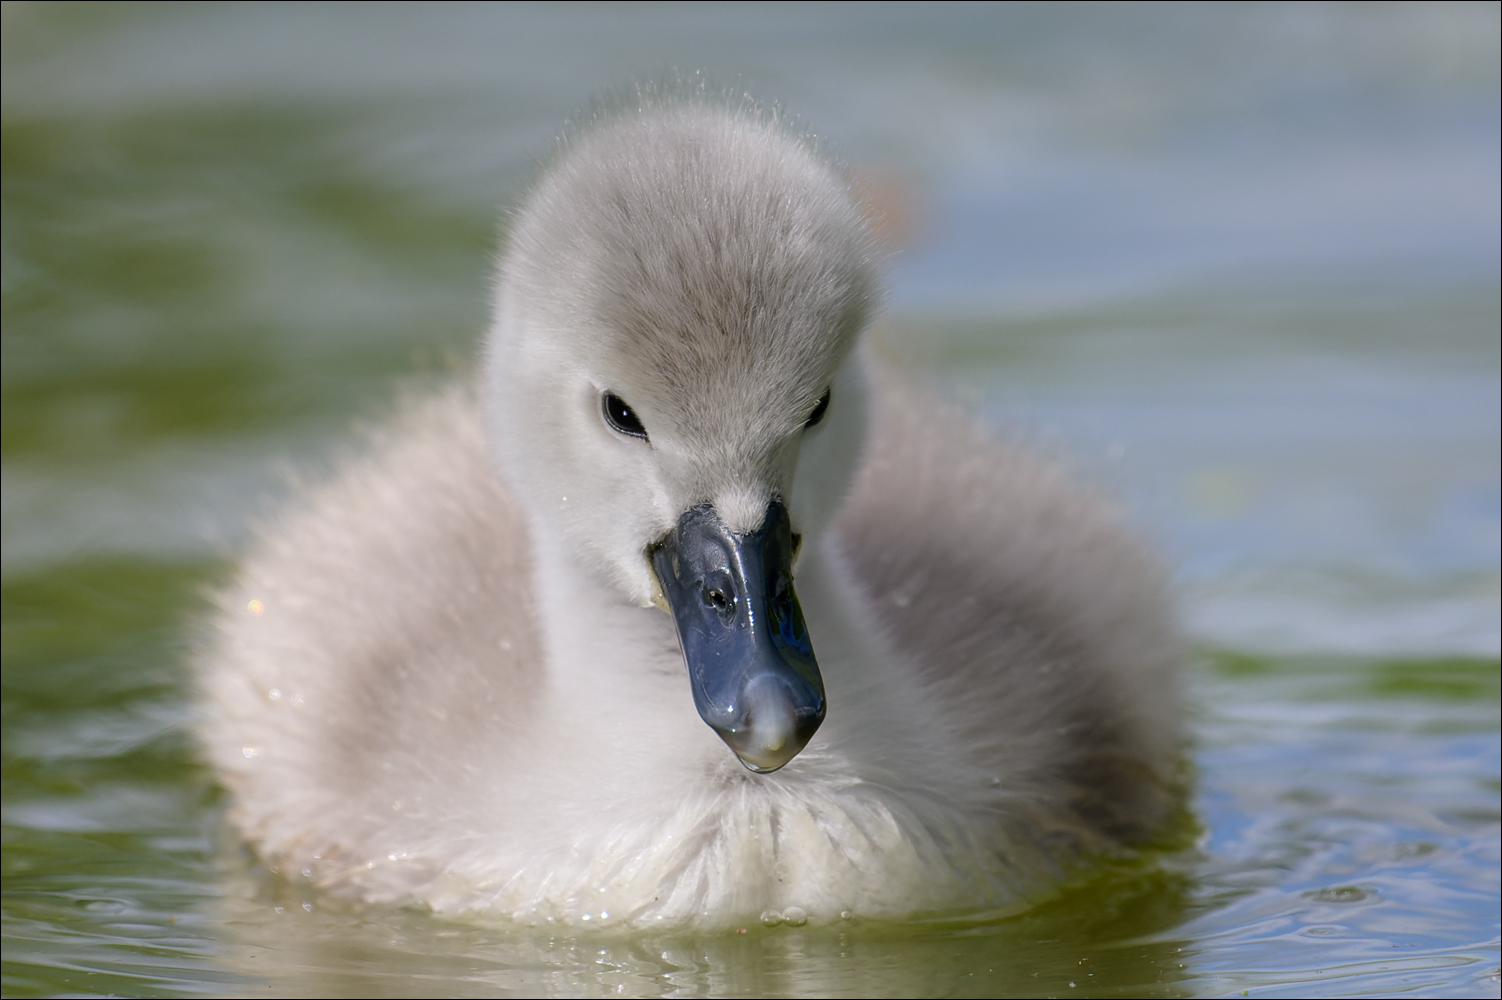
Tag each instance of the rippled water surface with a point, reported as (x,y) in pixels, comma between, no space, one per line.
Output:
(1237,264)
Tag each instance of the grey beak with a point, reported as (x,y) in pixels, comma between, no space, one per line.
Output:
(750,662)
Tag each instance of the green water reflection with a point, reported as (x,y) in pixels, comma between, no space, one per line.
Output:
(148,263)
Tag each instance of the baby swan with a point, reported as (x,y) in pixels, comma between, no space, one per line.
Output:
(447,675)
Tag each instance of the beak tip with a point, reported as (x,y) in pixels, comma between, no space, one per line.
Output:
(764,751)
(763,763)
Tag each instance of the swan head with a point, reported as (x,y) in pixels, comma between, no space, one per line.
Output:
(668,393)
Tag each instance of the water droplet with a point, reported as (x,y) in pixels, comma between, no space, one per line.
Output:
(771,918)
(794,916)
(1337,894)
(1417,849)
(101,905)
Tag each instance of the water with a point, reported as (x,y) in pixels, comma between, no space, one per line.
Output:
(1238,264)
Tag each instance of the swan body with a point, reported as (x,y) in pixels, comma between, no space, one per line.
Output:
(446,675)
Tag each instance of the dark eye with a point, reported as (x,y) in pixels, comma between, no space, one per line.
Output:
(819,408)
(621,417)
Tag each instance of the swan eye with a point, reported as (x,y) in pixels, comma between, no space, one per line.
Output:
(819,408)
(621,418)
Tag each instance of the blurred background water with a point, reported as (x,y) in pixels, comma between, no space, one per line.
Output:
(1239,263)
